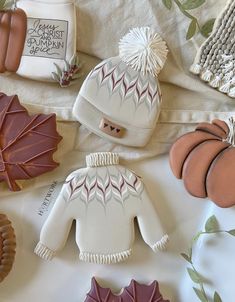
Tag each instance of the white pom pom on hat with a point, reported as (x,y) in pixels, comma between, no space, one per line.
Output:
(144,50)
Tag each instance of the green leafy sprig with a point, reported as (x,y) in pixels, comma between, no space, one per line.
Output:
(69,74)
(7,4)
(211,227)
(2,4)
(194,25)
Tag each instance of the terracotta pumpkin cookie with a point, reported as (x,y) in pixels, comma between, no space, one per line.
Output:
(27,142)
(205,160)
(7,246)
(13,25)
(135,292)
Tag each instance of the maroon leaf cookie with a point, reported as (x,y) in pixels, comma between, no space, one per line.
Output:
(135,292)
(205,160)
(27,143)
(7,246)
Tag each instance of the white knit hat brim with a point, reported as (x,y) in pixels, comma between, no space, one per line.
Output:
(90,117)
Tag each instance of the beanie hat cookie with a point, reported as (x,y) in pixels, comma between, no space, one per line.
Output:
(103,198)
(42,40)
(120,99)
(215,60)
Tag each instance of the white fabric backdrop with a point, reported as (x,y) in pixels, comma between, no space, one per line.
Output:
(186,100)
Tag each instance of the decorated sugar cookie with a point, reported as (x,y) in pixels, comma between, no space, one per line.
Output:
(7,246)
(103,198)
(13,25)
(122,94)
(27,143)
(215,59)
(135,292)
(51,38)
(205,160)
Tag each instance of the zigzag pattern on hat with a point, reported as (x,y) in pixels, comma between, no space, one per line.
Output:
(118,79)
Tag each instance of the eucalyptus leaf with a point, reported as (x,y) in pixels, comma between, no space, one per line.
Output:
(192,4)
(167,3)
(211,224)
(55,77)
(207,28)
(190,252)
(217,297)
(58,70)
(232,232)
(186,257)
(67,65)
(2,4)
(200,295)
(194,275)
(192,29)
(196,237)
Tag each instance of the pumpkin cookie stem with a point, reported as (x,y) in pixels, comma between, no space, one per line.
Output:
(231,136)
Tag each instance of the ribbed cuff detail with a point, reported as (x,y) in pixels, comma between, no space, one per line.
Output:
(43,251)
(102,159)
(161,244)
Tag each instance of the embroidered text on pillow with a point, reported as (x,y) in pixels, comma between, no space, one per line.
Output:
(46,38)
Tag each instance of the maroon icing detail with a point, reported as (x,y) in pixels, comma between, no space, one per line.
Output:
(111,129)
(135,292)
(27,143)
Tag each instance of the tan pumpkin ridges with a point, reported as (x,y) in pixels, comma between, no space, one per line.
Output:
(195,171)
(182,148)
(13,27)
(7,250)
(222,125)
(224,195)
(207,165)
(212,129)
(4,34)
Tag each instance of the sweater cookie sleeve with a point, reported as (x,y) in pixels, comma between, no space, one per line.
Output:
(55,231)
(150,226)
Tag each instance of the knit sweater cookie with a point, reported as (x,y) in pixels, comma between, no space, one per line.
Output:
(215,60)
(103,198)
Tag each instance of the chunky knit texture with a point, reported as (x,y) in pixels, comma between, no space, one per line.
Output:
(215,60)
(104,199)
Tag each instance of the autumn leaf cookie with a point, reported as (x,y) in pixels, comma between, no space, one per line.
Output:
(27,142)
(7,246)
(135,292)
